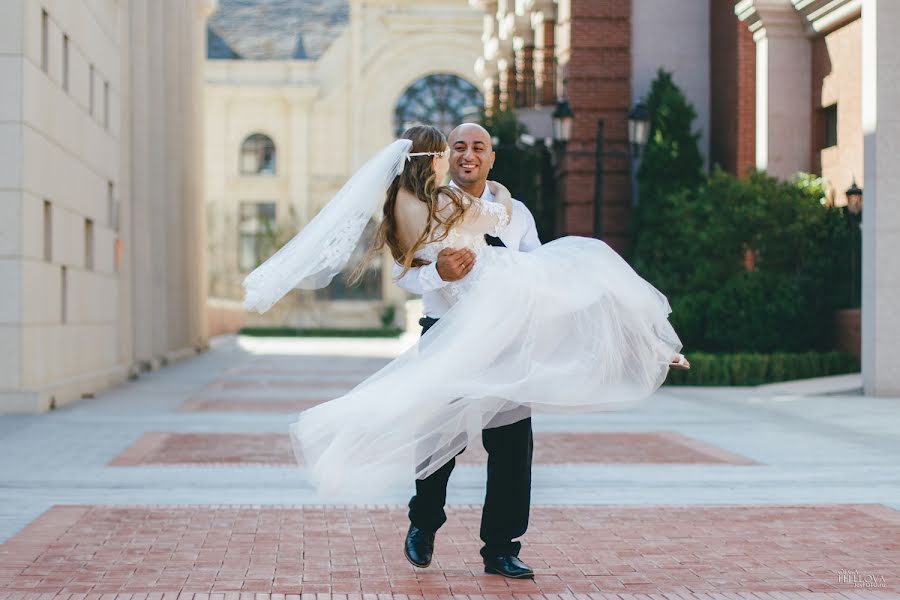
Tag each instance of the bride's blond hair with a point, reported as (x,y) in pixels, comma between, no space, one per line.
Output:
(419,179)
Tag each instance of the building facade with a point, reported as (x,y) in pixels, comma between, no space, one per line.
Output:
(101,229)
(827,102)
(289,118)
(778,85)
(602,56)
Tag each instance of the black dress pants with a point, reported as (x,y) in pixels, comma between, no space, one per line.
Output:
(508,497)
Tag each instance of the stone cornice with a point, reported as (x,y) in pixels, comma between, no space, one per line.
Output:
(826,15)
(768,17)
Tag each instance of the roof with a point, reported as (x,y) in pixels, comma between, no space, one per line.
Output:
(275,29)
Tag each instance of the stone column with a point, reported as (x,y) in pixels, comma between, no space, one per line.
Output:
(881,214)
(506,65)
(783,85)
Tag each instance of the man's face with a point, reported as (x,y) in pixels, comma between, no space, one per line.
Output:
(471,155)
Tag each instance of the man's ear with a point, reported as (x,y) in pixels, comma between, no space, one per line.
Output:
(493,158)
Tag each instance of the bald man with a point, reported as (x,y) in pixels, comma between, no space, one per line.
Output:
(508,496)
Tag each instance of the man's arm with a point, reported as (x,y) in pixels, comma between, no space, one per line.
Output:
(451,265)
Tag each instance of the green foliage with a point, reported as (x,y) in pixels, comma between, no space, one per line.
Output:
(503,125)
(695,232)
(752,368)
(387,316)
(671,159)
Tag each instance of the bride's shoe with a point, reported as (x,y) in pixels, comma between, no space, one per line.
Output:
(681,362)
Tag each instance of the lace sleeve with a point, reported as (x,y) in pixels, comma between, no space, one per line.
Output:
(485,217)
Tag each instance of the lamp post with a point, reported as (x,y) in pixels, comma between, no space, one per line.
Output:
(562,122)
(562,131)
(854,215)
(638,133)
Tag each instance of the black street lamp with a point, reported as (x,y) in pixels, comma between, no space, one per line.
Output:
(562,122)
(638,127)
(854,199)
(854,214)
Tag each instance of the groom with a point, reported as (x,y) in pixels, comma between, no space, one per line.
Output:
(508,498)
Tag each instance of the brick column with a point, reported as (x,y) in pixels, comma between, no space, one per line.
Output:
(594,51)
(543,22)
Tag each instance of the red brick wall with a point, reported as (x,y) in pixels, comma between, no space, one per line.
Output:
(598,86)
(733,96)
(545,64)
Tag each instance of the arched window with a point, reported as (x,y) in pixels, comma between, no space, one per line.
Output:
(440,99)
(258,155)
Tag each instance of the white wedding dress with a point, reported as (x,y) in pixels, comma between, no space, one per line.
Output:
(567,327)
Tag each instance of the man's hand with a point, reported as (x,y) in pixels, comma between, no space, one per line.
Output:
(453,264)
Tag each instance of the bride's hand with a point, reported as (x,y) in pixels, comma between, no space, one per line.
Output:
(501,194)
(499,190)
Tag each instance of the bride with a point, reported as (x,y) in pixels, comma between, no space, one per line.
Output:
(568,326)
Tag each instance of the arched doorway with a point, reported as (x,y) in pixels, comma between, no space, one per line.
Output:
(440,99)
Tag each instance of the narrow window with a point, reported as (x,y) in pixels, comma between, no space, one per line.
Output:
(106,104)
(91,90)
(45,39)
(256,229)
(63,292)
(831,132)
(88,244)
(112,206)
(48,231)
(65,63)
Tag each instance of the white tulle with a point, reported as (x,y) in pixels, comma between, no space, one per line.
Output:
(321,250)
(567,327)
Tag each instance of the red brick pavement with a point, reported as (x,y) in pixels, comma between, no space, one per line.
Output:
(549,448)
(735,552)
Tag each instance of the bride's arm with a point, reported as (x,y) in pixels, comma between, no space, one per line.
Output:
(483,217)
(501,195)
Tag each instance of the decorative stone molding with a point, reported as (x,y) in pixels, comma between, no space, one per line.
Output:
(816,16)
(769,17)
(827,15)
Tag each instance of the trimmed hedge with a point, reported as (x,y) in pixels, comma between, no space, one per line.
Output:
(751,368)
(385,332)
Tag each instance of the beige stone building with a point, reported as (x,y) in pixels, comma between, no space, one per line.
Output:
(101,230)
(290,116)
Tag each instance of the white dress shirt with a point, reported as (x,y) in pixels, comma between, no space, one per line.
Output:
(520,234)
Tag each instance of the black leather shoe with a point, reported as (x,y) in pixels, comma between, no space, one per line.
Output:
(419,546)
(508,566)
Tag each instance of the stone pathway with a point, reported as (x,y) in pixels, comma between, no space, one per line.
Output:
(181,486)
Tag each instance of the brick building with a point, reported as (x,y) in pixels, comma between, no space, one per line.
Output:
(780,85)
(602,56)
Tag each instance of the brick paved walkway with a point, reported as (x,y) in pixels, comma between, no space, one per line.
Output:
(153,491)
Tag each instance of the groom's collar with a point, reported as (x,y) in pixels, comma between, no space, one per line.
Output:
(485,195)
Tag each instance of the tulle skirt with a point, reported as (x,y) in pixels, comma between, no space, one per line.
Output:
(567,327)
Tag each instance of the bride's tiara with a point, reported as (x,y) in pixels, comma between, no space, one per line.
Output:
(409,155)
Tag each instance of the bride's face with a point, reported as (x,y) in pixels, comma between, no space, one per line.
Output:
(441,165)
